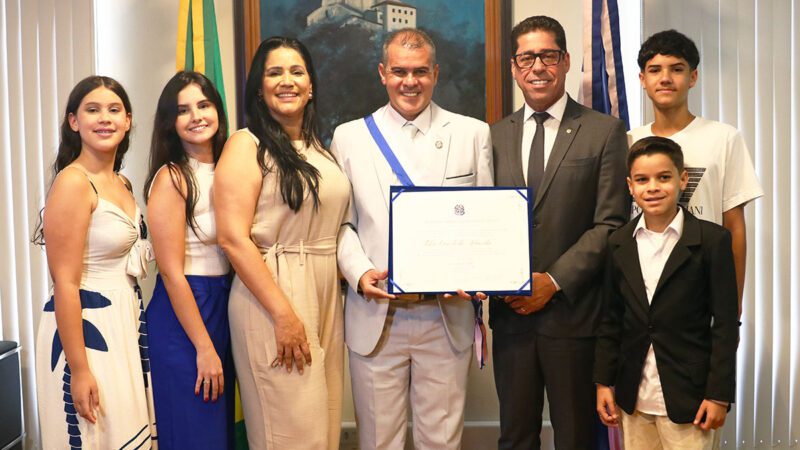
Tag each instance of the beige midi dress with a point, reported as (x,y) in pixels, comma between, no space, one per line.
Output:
(289,410)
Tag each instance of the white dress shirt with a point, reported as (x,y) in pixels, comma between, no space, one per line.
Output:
(556,111)
(414,155)
(654,250)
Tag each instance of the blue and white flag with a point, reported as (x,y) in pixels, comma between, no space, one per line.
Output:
(603,89)
(603,86)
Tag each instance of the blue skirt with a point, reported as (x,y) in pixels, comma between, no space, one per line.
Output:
(183,419)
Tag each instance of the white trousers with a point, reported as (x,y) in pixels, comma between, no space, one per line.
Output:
(643,431)
(413,361)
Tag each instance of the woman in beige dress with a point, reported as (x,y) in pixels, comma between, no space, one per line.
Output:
(281,200)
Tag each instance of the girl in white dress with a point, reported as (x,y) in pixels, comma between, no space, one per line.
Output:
(92,368)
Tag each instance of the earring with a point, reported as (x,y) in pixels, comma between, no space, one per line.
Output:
(310,95)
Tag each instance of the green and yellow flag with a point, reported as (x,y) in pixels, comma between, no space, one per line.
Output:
(240,434)
(198,42)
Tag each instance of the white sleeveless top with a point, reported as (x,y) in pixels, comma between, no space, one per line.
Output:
(203,256)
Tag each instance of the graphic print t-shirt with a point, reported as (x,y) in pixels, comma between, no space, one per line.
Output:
(721,173)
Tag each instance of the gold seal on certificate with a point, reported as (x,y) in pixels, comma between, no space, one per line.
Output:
(446,238)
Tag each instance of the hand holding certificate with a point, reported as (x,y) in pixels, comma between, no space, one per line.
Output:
(446,238)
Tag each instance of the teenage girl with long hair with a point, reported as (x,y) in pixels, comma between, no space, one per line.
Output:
(188,315)
(92,368)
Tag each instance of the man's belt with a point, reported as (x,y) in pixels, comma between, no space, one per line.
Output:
(416,297)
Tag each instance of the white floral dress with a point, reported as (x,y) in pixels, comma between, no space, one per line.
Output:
(115,336)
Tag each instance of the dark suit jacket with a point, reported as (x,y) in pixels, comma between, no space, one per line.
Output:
(691,321)
(581,200)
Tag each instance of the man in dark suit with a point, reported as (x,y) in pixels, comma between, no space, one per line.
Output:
(573,159)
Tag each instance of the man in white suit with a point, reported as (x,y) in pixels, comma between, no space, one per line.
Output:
(407,346)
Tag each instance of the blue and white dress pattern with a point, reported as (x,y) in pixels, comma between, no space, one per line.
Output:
(115,335)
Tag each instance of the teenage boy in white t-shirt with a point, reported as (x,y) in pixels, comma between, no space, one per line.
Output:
(721,175)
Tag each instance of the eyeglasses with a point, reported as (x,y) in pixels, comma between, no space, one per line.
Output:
(526,60)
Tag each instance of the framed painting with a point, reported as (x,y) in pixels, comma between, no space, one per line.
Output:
(345,40)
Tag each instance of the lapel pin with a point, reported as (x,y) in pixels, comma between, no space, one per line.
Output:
(569,130)
(439,144)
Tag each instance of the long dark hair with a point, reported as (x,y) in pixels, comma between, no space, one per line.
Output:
(294,172)
(165,146)
(69,147)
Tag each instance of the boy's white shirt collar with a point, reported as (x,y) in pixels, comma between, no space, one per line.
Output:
(694,122)
(676,225)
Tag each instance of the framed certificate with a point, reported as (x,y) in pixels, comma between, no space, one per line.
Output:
(473,238)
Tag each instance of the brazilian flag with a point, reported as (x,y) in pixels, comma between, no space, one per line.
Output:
(198,50)
(240,434)
(198,42)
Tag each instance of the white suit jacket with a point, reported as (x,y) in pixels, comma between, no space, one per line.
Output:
(463,150)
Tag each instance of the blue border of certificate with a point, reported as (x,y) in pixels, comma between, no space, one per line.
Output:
(525,195)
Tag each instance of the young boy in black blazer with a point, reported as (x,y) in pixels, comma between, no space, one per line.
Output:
(665,364)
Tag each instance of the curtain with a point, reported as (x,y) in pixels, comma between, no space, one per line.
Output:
(749,77)
(46,46)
